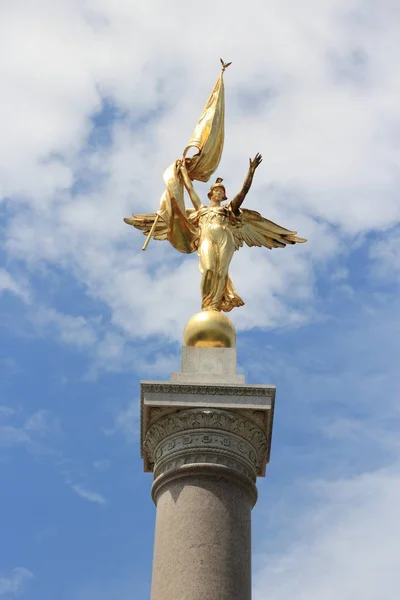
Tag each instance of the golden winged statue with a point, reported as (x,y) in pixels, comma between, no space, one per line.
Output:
(215,230)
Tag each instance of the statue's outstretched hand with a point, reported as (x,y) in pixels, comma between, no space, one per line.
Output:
(255,161)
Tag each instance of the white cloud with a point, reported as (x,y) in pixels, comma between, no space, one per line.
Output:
(108,348)
(315,94)
(344,546)
(13,586)
(386,256)
(87,494)
(13,436)
(326,523)
(72,330)
(9,284)
(127,422)
(41,423)
(38,425)
(68,472)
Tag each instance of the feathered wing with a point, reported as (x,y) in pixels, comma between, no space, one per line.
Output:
(145,222)
(252,229)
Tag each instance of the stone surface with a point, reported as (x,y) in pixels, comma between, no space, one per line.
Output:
(218,361)
(206,441)
(208,365)
(203,539)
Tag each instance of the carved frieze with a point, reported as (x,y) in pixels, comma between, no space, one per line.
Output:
(206,435)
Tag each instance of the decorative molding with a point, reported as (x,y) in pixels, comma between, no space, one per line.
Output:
(207,390)
(161,399)
(206,446)
(206,435)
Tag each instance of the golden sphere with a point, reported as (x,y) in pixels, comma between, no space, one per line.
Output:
(209,329)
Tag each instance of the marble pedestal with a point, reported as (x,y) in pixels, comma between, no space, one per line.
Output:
(206,436)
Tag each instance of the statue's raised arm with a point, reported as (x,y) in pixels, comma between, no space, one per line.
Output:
(238,199)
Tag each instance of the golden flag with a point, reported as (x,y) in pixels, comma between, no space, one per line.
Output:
(208,138)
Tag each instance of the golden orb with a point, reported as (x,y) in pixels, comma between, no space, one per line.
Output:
(209,329)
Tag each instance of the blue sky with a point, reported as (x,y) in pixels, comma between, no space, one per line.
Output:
(99,98)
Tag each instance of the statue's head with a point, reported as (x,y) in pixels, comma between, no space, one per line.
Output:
(217,191)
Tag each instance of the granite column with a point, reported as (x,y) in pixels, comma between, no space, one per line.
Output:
(206,436)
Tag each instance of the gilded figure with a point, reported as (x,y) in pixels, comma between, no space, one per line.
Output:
(215,230)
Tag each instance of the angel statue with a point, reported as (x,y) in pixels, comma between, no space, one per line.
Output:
(215,231)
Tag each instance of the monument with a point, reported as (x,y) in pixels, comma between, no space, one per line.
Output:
(206,434)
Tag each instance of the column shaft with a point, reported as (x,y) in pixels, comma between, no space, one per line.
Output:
(202,545)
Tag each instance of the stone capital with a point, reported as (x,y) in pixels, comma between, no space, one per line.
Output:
(226,425)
